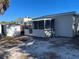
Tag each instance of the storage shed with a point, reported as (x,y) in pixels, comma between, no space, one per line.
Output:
(13,30)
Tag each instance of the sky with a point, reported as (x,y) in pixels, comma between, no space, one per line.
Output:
(36,8)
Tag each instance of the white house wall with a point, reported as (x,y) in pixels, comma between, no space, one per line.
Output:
(36,32)
(39,33)
(63,26)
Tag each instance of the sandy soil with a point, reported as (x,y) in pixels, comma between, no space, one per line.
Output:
(39,48)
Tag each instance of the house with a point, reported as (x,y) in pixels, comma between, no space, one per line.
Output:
(22,21)
(55,25)
(19,21)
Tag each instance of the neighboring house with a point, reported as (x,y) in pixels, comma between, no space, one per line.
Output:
(57,25)
(19,21)
(22,21)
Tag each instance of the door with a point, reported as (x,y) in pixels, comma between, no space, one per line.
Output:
(3,30)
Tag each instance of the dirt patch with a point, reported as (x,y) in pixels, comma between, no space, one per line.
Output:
(15,53)
(10,42)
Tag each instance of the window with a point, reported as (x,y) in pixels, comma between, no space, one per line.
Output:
(52,23)
(47,24)
(41,24)
(36,24)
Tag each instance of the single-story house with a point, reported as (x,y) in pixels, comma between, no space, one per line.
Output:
(55,25)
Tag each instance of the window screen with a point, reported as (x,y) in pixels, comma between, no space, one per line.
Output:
(47,24)
(36,24)
(41,24)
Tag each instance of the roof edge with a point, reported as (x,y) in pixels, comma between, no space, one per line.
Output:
(48,16)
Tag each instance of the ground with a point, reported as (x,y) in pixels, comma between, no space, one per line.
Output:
(45,48)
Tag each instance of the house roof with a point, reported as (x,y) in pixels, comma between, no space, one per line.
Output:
(55,15)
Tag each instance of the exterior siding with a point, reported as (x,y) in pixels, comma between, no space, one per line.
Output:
(64,26)
(37,33)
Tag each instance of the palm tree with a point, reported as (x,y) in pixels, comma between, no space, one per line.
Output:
(4,4)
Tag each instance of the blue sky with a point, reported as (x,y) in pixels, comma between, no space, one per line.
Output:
(35,8)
